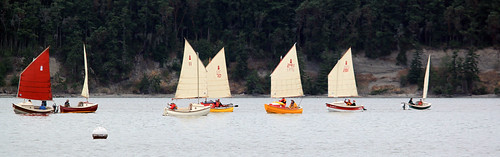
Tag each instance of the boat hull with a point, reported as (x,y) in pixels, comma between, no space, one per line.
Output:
(228,108)
(341,107)
(28,108)
(276,108)
(196,110)
(424,106)
(222,109)
(85,108)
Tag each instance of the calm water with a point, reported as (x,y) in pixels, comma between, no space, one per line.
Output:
(136,127)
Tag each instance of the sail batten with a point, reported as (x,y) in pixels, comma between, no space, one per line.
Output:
(34,81)
(341,79)
(285,79)
(193,76)
(426,78)
(217,79)
(85,89)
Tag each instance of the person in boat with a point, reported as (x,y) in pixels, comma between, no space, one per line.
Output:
(353,102)
(411,101)
(218,103)
(348,103)
(43,106)
(420,102)
(29,101)
(173,106)
(66,104)
(283,100)
(293,104)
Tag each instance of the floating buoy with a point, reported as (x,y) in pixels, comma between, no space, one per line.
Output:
(100,133)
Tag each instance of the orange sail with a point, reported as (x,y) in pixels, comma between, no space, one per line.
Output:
(34,82)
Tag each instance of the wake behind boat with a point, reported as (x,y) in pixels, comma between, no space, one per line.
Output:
(192,84)
(34,84)
(342,83)
(82,107)
(285,82)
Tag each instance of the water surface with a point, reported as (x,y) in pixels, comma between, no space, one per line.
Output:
(136,127)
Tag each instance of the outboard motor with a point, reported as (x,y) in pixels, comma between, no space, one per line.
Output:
(55,108)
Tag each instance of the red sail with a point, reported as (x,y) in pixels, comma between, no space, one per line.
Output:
(34,82)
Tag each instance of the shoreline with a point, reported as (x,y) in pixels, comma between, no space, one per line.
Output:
(254,96)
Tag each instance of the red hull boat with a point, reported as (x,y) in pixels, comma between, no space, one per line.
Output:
(85,107)
(337,107)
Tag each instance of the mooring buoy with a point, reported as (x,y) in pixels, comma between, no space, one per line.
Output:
(100,133)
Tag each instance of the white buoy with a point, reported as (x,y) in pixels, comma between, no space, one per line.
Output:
(100,133)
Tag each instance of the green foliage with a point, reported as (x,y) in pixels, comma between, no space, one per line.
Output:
(379,91)
(470,70)
(480,91)
(457,76)
(497,91)
(254,83)
(416,71)
(14,81)
(116,32)
(149,84)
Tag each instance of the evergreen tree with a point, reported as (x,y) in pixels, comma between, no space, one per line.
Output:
(415,74)
(470,71)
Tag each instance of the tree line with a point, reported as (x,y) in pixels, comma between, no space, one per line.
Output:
(117,32)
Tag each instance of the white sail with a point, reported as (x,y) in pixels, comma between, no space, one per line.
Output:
(426,78)
(85,90)
(217,79)
(285,79)
(193,77)
(341,80)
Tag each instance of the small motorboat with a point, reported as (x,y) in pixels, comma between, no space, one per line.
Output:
(279,107)
(34,84)
(425,105)
(86,106)
(221,108)
(422,105)
(342,83)
(192,84)
(29,108)
(285,82)
(340,106)
(192,110)
(82,107)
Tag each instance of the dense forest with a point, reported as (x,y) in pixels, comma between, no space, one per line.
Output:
(117,32)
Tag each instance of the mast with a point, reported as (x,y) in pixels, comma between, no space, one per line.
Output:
(198,78)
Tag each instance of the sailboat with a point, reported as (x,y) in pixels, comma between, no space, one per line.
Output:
(192,84)
(82,107)
(342,83)
(218,84)
(285,82)
(34,84)
(424,105)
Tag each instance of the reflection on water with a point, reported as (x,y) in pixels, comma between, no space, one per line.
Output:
(459,126)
